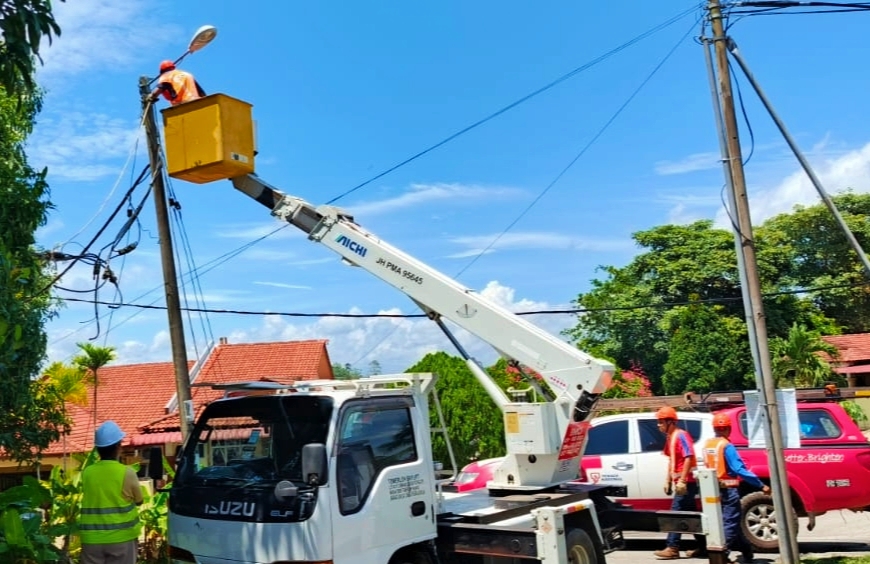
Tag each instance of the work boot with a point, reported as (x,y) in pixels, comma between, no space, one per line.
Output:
(697,553)
(668,553)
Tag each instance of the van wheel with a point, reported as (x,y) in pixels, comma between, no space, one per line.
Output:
(411,556)
(759,522)
(580,548)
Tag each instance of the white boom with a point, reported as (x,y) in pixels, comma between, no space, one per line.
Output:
(544,440)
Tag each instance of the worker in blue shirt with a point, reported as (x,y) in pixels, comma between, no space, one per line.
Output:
(721,457)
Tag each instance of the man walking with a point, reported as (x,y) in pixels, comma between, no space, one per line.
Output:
(177,86)
(109,524)
(721,457)
(680,450)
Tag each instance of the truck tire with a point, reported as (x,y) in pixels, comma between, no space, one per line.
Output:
(580,548)
(759,522)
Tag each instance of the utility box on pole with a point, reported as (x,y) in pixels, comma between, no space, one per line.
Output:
(209,139)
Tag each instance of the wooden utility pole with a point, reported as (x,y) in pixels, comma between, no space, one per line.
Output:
(751,289)
(167,257)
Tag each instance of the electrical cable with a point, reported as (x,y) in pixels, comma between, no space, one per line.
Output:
(659,305)
(585,148)
(563,78)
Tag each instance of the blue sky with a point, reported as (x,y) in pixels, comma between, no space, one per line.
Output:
(344,90)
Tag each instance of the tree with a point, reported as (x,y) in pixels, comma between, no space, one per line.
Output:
(375,368)
(631,383)
(23,23)
(474,422)
(796,361)
(706,352)
(29,419)
(91,359)
(69,385)
(345,372)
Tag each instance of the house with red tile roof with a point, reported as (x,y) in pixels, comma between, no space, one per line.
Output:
(853,361)
(141,398)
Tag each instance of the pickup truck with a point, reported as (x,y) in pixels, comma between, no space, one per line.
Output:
(830,471)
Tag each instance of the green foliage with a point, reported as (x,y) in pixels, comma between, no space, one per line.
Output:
(154,514)
(30,419)
(23,24)
(91,359)
(707,352)
(631,383)
(25,538)
(345,372)
(855,411)
(795,362)
(474,422)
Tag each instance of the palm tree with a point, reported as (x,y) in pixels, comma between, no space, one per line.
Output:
(91,360)
(69,384)
(796,360)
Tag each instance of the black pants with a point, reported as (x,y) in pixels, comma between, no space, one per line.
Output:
(731,514)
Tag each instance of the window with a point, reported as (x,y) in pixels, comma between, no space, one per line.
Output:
(653,440)
(815,424)
(373,436)
(608,438)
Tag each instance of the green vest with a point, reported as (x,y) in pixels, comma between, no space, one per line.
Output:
(106,517)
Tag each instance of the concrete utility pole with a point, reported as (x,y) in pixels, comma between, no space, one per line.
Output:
(167,256)
(752,300)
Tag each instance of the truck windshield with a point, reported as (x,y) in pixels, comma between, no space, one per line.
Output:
(253,440)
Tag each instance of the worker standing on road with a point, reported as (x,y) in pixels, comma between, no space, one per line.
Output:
(177,86)
(721,457)
(680,450)
(109,524)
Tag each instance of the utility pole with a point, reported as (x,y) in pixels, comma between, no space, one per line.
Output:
(167,257)
(752,300)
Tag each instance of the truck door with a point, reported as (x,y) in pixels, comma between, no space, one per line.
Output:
(608,458)
(384,484)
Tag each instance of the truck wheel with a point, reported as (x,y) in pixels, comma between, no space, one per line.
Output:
(580,548)
(759,522)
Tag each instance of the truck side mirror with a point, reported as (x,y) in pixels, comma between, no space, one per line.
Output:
(314,464)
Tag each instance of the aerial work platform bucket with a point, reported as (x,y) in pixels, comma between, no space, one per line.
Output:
(209,139)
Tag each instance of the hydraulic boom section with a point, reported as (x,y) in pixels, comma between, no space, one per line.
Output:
(544,440)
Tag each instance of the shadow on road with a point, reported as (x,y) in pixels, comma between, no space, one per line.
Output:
(809,547)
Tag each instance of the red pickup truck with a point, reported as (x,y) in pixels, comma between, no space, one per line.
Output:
(830,471)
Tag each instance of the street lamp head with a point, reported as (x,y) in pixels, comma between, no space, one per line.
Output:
(201,38)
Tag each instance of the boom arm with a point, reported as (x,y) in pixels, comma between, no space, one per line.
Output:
(544,440)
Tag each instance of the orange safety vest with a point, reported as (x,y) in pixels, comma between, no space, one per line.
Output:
(714,459)
(672,456)
(182,83)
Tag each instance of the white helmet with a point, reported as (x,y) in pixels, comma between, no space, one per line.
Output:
(108,434)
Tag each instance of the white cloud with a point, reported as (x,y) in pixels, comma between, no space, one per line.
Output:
(848,170)
(396,343)
(283,285)
(535,240)
(419,194)
(101,34)
(692,163)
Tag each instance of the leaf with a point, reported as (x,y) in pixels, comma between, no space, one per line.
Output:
(13,529)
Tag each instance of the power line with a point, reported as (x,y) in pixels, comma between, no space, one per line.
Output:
(529,96)
(585,148)
(659,305)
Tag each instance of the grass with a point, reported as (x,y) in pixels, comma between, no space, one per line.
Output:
(838,560)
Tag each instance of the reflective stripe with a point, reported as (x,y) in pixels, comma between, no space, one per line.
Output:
(107,510)
(109,527)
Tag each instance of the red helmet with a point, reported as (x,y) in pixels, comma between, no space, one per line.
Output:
(167,66)
(721,421)
(667,412)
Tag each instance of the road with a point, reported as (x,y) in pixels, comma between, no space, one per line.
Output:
(840,532)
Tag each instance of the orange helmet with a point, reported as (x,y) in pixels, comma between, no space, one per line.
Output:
(167,66)
(667,412)
(721,420)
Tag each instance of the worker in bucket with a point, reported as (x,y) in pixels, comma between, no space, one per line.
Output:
(177,86)
(109,525)
(721,457)
(680,481)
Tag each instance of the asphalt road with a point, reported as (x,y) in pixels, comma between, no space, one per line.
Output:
(837,533)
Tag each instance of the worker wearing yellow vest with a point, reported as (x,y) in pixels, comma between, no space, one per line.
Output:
(680,450)
(109,524)
(177,86)
(721,457)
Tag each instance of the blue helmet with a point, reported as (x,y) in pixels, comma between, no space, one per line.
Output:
(108,434)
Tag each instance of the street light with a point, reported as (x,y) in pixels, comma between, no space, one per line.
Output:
(203,36)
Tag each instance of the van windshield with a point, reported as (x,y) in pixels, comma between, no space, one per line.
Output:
(253,440)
